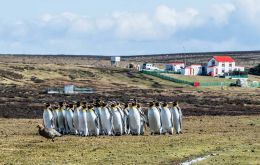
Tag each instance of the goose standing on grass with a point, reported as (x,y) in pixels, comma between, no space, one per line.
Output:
(69,118)
(92,121)
(76,117)
(117,121)
(166,119)
(48,116)
(154,119)
(134,119)
(48,133)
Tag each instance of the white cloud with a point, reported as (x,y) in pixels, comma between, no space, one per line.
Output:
(105,24)
(135,26)
(249,10)
(170,17)
(69,22)
(221,12)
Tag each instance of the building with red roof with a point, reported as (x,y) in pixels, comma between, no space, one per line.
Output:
(219,65)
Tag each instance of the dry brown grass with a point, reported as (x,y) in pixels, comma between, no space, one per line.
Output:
(232,140)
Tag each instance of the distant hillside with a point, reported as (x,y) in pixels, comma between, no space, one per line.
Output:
(244,58)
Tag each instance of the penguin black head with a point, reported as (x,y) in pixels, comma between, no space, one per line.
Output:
(84,106)
(84,103)
(164,104)
(70,105)
(125,105)
(47,105)
(103,104)
(138,105)
(151,104)
(90,107)
(133,104)
(78,103)
(175,103)
(157,104)
(61,103)
(113,105)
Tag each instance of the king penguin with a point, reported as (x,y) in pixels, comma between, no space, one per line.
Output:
(76,117)
(166,119)
(177,117)
(154,119)
(48,116)
(134,119)
(55,117)
(105,119)
(117,121)
(61,118)
(69,118)
(92,122)
(83,121)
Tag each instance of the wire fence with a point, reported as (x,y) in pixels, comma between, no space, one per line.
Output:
(192,83)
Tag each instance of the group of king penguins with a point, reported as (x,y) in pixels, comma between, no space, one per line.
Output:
(99,118)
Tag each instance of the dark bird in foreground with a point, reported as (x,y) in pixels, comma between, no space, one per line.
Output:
(48,133)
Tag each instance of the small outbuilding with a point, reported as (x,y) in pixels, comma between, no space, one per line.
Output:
(174,66)
(192,70)
(115,60)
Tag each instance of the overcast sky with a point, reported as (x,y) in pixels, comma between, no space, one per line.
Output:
(128,27)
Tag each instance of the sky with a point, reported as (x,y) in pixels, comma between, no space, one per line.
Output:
(128,27)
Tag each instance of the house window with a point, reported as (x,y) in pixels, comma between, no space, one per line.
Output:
(223,65)
(213,63)
(223,70)
(230,65)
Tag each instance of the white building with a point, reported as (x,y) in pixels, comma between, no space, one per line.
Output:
(115,60)
(192,70)
(149,66)
(219,65)
(174,66)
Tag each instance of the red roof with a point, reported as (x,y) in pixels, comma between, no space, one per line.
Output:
(223,59)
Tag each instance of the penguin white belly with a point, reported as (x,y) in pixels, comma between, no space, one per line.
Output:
(69,118)
(166,119)
(176,120)
(55,120)
(117,123)
(66,127)
(105,119)
(83,123)
(92,123)
(76,121)
(61,121)
(134,121)
(48,118)
(154,121)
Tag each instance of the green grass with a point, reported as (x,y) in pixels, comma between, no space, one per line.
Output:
(199,78)
(231,139)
